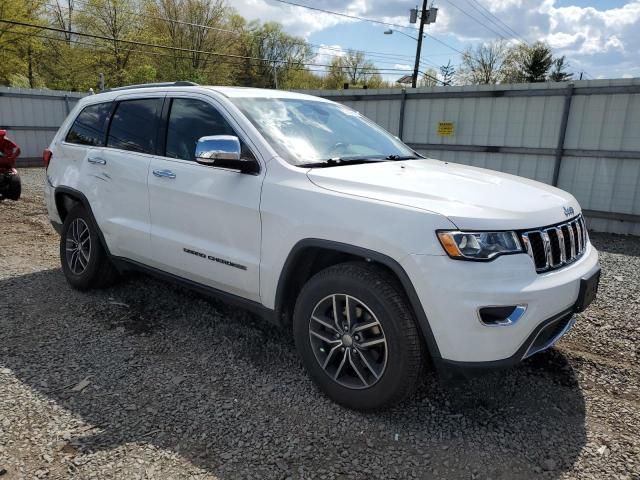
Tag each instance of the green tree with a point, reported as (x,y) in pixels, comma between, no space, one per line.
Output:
(19,47)
(538,62)
(355,69)
(448,73)
(526,63)
(118,21)
(273,56)
(559,73)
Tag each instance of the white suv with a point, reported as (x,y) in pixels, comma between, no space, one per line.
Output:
(305,212)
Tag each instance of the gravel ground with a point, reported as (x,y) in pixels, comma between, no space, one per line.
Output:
(146,380)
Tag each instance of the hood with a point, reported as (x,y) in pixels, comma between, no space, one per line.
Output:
(471,197)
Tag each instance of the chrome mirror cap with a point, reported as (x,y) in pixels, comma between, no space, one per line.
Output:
(217,147)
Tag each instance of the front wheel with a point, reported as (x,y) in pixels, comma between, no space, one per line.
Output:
(357,337)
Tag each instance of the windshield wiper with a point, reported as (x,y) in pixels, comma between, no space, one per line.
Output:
(399,157)
(334,162)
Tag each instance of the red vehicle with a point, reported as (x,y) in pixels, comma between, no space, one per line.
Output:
(10,186)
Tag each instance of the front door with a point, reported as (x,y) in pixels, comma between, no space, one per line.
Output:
(205,221)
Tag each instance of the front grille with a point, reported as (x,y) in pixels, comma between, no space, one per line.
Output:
(553,247)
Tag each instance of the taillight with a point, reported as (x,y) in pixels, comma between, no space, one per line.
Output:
(46,157)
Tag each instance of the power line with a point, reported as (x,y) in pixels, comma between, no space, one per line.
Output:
(362,19)
(506,26)
(377,56)
(475,19)
(234,32)
(150,45)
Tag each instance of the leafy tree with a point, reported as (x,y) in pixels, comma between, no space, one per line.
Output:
(559,73)
(483,64)
(273,54)
(526,63)
(119,22)
(19,49)
(538,62)
(429,78)
(355,69)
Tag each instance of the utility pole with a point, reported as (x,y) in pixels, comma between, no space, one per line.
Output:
(426,16)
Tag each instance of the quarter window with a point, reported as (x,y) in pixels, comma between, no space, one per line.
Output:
(189,120)
(89,126)
(134,126)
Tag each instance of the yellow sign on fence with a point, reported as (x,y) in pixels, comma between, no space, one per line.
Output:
(446,129)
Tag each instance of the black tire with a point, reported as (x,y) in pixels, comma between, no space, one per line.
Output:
(382,296)
(14,189)
(93,269)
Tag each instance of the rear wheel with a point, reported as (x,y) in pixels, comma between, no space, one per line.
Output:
(357,337)
(15,188)
(84,261)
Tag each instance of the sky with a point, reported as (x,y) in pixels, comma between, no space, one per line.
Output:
(600,38)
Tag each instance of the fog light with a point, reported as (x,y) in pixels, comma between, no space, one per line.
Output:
(501,316)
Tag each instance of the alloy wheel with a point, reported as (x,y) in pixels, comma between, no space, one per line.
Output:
(348,341)
(78,246)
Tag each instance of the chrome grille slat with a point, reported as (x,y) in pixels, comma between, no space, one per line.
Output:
(553,247)
(573,242)
(563,253)
(547,249)
(579,228)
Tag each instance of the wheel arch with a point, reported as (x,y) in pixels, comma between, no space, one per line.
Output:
(67,198)
(311,255)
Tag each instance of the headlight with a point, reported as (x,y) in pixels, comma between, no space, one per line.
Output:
(479,245)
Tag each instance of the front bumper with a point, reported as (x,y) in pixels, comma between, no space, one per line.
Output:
(451,293)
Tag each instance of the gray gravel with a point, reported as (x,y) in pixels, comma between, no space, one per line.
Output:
(146,380)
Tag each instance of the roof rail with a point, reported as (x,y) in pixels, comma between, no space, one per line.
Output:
(181,83)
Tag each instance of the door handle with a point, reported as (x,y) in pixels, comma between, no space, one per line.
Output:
(164,173)
(97,160)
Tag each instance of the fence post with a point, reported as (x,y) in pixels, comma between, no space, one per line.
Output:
(66,103)
(403,101)
(562,134)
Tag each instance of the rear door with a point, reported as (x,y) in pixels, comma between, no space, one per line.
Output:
(120,169)
(205,221)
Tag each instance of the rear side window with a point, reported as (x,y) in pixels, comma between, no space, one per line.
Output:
(89,126)
(189,120)
(134,125)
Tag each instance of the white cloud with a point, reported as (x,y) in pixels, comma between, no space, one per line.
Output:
(603,39)
(326,53)
(403,66)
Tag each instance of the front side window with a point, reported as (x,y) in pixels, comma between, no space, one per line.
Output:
(134,126)
(305,131)
(189,120)
(88,127)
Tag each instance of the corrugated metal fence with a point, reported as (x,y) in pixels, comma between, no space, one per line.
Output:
(32,118)
(583,137)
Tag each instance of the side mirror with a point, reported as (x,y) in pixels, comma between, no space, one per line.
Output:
(223,151)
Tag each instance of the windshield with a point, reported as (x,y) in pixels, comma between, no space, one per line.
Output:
(307,131)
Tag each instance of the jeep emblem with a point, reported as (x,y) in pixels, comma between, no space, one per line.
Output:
(568,211)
